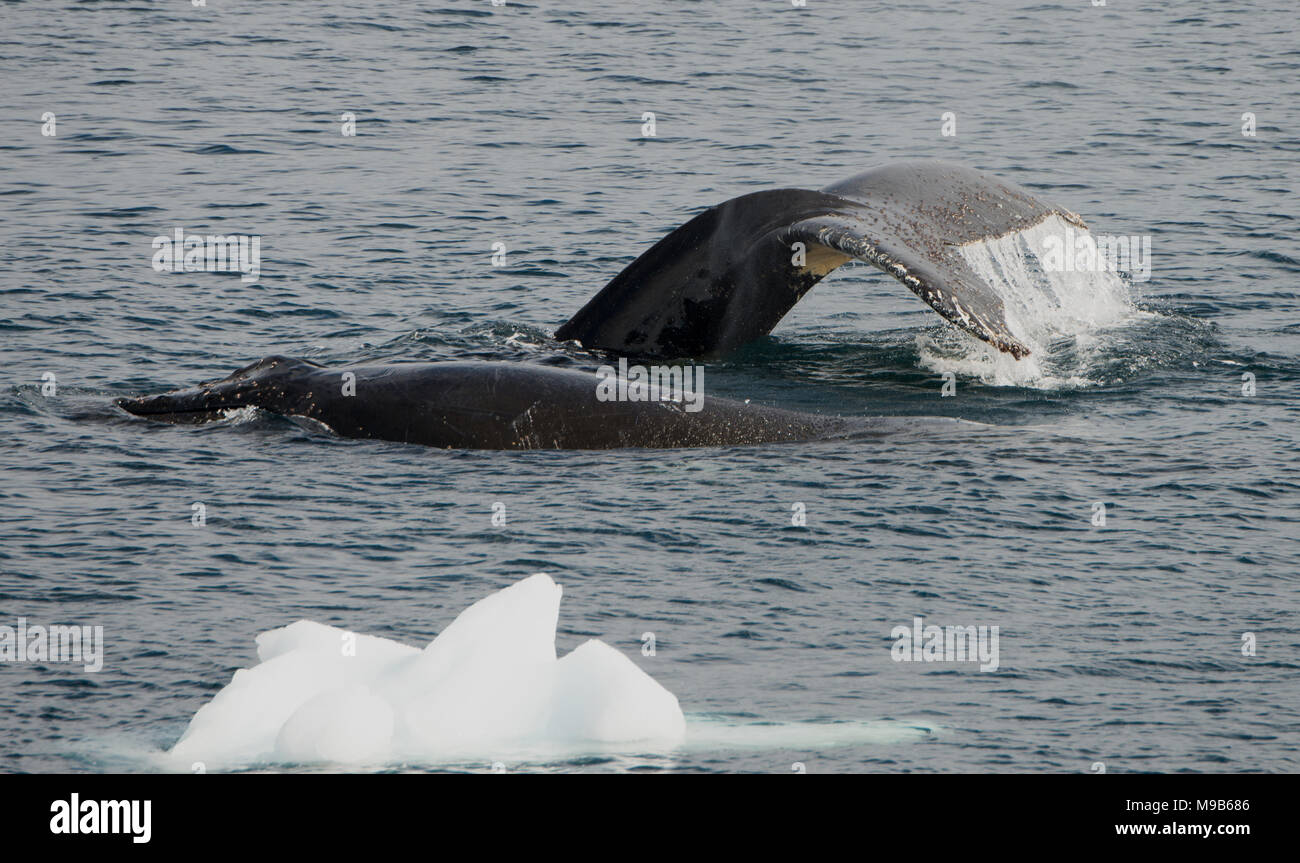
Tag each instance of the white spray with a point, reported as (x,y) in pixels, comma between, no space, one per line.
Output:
(1045,309)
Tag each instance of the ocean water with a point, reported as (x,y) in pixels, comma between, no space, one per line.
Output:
(1119,643)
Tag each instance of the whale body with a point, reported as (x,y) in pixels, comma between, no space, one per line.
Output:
(482,405)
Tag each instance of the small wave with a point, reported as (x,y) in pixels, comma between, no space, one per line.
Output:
(224,150)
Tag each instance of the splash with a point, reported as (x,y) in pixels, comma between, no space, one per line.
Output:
(1067,319)
(240,416)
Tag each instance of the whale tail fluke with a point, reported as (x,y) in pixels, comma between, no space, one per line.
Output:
(730,274)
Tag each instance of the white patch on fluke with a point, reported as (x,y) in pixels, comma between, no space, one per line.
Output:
(1044,309)
(488,688)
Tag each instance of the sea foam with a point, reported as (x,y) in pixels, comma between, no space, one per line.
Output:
(488,687)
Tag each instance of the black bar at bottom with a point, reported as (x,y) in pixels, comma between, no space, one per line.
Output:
(301,813)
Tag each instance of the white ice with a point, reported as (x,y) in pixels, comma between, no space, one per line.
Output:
(488,687)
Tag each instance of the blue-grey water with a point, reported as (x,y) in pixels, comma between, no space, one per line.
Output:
(1120,643)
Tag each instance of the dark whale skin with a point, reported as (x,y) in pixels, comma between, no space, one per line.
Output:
(482,405)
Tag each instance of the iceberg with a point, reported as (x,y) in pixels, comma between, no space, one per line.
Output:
(489,687)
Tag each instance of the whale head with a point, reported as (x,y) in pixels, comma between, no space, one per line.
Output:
(274,383)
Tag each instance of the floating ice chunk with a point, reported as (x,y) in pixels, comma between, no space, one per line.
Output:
(487,687)
(599,695)
(486,679)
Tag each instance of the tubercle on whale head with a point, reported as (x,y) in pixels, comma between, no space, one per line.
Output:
(273,365)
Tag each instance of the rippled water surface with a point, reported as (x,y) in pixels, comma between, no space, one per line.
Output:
(521,124)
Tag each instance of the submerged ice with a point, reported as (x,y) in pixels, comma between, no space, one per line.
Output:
(489,686)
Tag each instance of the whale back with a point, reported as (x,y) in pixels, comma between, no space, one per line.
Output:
(730,274)
(486,405)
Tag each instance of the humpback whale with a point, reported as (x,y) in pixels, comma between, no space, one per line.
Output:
(482,405)
(724,278)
